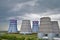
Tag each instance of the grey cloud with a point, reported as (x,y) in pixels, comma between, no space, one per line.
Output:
(26,9)
(40,6)
(6,5)
(43,5)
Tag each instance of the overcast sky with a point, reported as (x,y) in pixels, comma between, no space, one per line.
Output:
(27,9)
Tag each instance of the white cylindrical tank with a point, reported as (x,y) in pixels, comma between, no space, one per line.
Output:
(26,27)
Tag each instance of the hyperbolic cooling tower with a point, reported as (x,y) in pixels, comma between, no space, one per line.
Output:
(35,26)
(25,27)
(45,25)
(48,28)
(55,27)
(13,26)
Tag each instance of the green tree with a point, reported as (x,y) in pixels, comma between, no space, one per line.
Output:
(12,38)
(22,38)
(31,38)
(18,38)
(0,38)
(4,36)
(40,39)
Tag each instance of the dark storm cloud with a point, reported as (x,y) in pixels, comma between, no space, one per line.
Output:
(15,8)
(26,9)
(7,5)
(40,6)
(44,5)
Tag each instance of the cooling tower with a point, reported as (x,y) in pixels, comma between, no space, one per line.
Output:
(13,26)
(26,27)
(54,30)
(35,26)
(48,28)
(45,25)
(55,27)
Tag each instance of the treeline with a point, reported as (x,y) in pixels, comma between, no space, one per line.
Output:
(7,37)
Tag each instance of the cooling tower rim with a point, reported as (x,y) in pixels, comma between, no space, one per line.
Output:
(25,20)
(54,22)
(45,17)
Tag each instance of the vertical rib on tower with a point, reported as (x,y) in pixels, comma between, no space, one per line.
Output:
(13,26)
(25,27)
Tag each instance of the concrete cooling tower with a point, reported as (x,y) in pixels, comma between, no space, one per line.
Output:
(13,26)
(55,28)
(45,24)
(26,27)
(35,26)
(48,28)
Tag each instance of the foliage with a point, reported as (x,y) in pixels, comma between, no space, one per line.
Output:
(0,38)
(40,39)
(19,37)
(12,38)
(22,38)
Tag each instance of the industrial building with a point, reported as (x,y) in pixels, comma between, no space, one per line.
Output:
(25,27)
(12,26)
(35,26)
(48,29)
